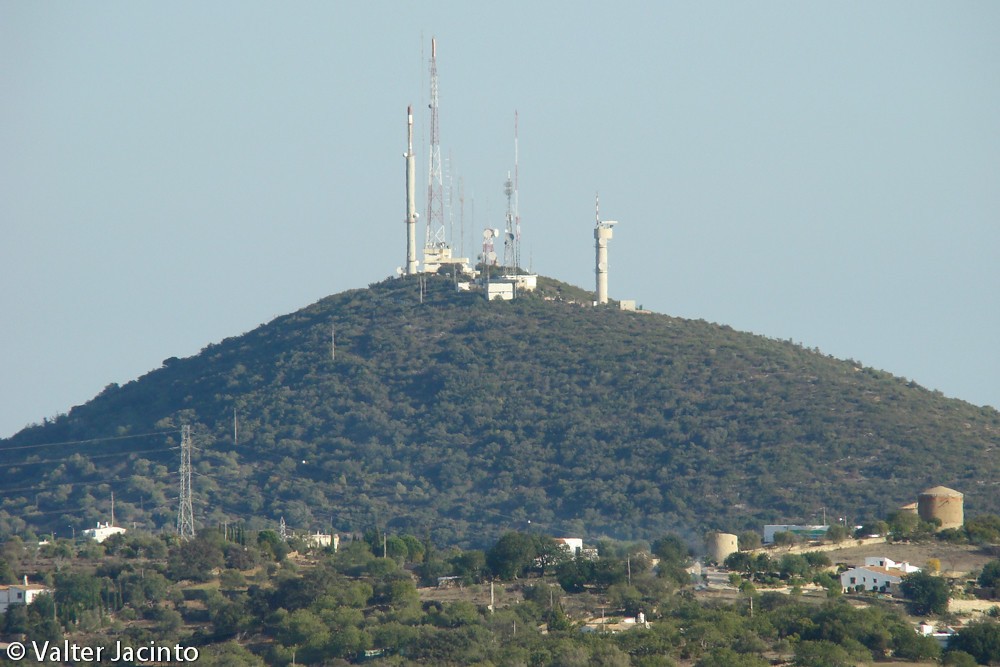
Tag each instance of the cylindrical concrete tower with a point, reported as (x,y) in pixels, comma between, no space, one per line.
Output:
(721,545)
(411,198)
(944,504)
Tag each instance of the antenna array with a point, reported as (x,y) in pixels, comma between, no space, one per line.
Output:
(435,182)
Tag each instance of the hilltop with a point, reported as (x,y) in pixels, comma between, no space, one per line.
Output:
(441,414)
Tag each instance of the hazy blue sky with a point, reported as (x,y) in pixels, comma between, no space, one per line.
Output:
(176,173)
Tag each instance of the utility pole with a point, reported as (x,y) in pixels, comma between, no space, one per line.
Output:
(185,515)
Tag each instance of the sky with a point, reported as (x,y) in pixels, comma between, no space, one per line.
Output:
(172,174)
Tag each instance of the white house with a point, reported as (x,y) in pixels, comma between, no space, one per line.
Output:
(20,594)
(103,531)
(872,577)
(574,545)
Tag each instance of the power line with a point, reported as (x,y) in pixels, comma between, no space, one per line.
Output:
(83,442)
(21,464)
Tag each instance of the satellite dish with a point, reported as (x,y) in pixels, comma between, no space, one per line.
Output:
(603,266)
(496,232)
(492,256)
(487,234)
(399,270)
(510,236)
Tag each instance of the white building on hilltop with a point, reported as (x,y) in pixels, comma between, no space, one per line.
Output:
(103,531)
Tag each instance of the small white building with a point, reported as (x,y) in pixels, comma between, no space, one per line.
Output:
(103,531)
(324,540)
(871,577)
(889,564)
(20,594)
(499,290)
(943,636)
(574,545)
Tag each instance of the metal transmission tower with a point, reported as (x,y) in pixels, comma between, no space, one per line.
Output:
(508,241)
(512,239)
(185,515)
(435,181)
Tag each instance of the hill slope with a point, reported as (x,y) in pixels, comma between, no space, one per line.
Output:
(461,419)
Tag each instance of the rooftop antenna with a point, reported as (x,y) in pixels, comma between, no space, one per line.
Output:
(435,184)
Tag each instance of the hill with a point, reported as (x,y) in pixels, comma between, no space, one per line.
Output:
(446,415)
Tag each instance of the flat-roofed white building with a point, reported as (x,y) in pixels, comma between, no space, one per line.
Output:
(103,531)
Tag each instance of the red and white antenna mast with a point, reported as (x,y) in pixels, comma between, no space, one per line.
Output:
(435,182)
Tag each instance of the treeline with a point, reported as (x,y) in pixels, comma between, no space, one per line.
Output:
(241,599)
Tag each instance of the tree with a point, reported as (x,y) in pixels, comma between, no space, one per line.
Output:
(927,593)
(573,575)
(749,540)
(785,538)
(512,555)
(990,576)
(979,639)
(196,559)
(469,565)
(827,654)
(836,533)
(672,548)
(739,562)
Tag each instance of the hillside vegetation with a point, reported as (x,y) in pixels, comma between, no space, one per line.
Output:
(450,417)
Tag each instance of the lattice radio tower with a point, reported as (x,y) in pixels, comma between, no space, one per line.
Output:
(512,239)
(185,515)
(508,240)
(435,180)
